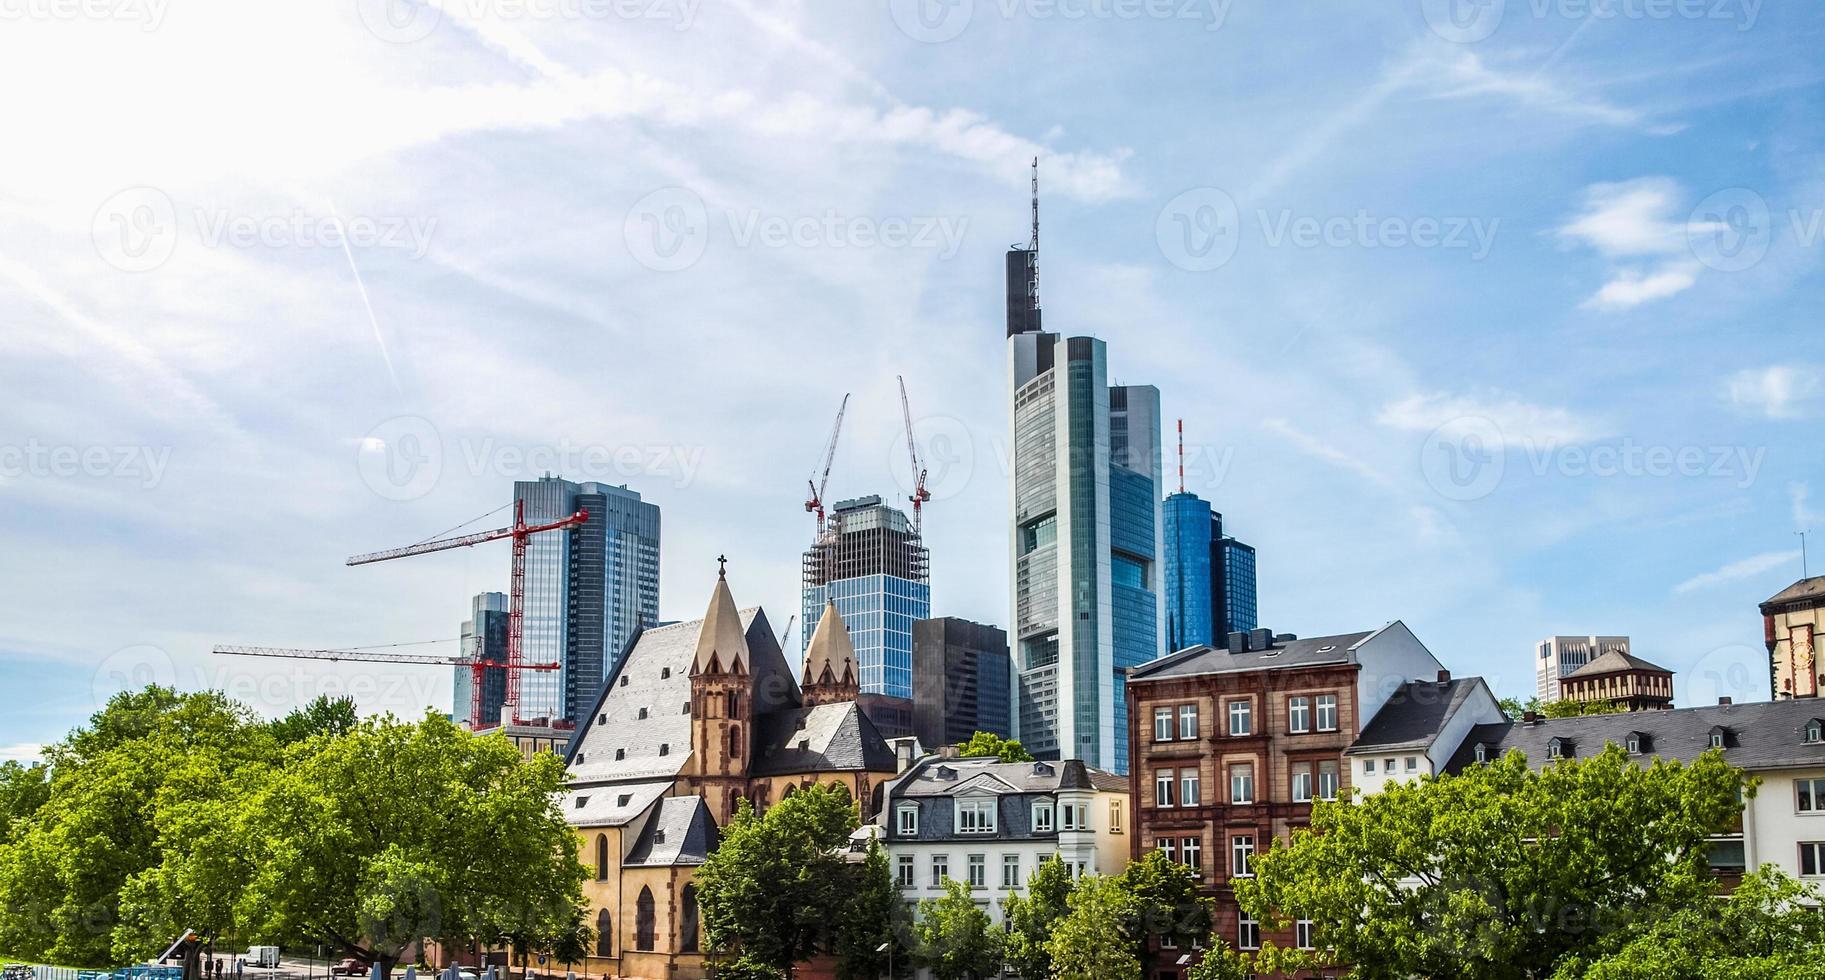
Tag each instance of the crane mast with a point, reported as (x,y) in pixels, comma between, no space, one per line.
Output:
(814,501)
(919,495)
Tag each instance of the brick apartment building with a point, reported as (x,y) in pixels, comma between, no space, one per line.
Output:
(1231,744)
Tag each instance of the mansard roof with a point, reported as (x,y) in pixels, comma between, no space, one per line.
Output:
(1760,735)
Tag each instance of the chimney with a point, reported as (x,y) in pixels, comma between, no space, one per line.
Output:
(1444,677)
(1724,702)
(903,754)
(949,751)
(1260,639)
(1529,718)
(1238,642)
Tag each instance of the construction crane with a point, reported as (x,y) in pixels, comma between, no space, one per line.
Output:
(520,532)
(919,495)
(814,502)
(477,666)
(786,634)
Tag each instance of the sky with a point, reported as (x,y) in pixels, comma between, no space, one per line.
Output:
(1497,318)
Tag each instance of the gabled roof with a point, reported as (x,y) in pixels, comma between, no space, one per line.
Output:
(1762,735)
(1613,661)
(828,738)
(924,781)
(680,833)
(610,805)
(1803,592)
(1311,651)
(1415,715)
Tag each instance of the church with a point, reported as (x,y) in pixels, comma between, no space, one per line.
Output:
(699,716)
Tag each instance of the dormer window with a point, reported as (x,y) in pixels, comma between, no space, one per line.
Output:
(659,836)
(907,822)
(620,755)
(582,801)
(1558,748)
(976,816)
(1719,737)
(623,680)
(623,799)
(1482,752)
(687,707)
(664,749)
(1815,731)
(642,714)
(1634,743)
(665,672)
(1042,817)
(946,772)
(1041,769)
(581,758)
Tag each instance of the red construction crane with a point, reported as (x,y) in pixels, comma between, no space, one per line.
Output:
(919,495)
(814,502)
(520,532)
(477,667)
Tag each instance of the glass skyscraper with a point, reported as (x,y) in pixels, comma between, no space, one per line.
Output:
(871,563)
(587,590)
(484,637)
(1210,577)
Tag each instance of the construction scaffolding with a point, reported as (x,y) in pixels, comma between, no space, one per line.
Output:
(865,537)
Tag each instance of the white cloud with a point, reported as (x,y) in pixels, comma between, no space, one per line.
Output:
(1738,570)
(1636,224)
(1519,422)
(1780,391)
(1630,289)
(21,752)
(1315,446)
(1804,517)
(1468,75)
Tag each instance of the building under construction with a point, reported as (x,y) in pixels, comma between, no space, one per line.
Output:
(869,560)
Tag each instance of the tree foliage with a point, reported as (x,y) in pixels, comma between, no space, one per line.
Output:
(1167,903)
(1516,709)
(873,916)
(23,790)
(1031,918)
(1503,871)
(957,940)
(1092,941)
(989,744)
(323,716)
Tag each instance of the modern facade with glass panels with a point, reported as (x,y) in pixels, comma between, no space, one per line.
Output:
(484,637)
(1239,612)
(871,563)
(1210,577)
(587,590)
(1086,538)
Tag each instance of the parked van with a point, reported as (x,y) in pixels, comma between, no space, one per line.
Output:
(262,956)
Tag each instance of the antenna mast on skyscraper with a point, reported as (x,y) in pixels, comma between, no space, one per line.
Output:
(1033,245)
(1181,455)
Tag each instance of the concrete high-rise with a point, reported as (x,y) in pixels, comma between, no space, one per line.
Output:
(484,637)
(1085,539)
(870,562)
(1209,576)
(587,590)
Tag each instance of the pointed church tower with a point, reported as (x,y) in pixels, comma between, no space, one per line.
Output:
(722,729)
(830,672)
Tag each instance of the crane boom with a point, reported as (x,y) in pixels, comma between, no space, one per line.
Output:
(306,653)
(919,495)
(814,503)
(466,540)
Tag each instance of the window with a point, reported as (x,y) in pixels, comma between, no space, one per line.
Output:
(1304,935)
(1812,858)
(644,922)
(1188,787)
(1634,745)
(1075,816)
(1299,715)
(605,934)
(1188,721)
(941,869)
(1241,854)
(1717,738)
(1329,780)
(1482,753)
(1042,817)
(1412,763)
(909,819)
(1242,783)
(1241,718)
(1010,871)
(1809,795)
(1555,749)
(976,816)
(978,871)
(1248,934)
(1162,724)
(664,749)
(1162,787)
(1115,816)
(1815,732)
(1191,853)
(1302,782)
(687,920)
(620,755)
(642,714)
(906,871)
(734,741)
(601,857)
(1368,765)
(1327,712)
(1387,766)
(1169,846)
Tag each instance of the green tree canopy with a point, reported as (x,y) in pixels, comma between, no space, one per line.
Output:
(1031,918)
(323,716)
(1516,709)
(1168,903)
(1503,871)
(23,790)
(957,939)
(1092,942)
(990,744)
(873,916)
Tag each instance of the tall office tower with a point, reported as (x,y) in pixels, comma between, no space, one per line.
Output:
(484,637)
(871,563)
(1557,656)
(1085,543)
(587,590)
(1192,571)
(1232,571)
(960,680)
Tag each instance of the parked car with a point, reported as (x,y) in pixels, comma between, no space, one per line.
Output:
(147,972)
(17,971)
(349,967)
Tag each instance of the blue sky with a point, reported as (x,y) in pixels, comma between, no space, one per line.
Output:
(1500,319)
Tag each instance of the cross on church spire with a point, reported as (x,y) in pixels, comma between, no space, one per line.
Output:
(722,566)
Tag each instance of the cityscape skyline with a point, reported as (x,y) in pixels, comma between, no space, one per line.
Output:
(1587,417)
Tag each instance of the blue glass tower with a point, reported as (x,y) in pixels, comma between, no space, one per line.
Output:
(871,563)
(1210,577)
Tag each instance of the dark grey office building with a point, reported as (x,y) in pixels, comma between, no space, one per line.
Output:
(961,677)
(484,637)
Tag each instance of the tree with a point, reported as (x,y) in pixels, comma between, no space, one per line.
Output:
(1168,903)
(1092,942)
(1516,709)
(1502,871)
(873,916)
(395,832)
(1032,918)
(957,940)
(23,790)
(776,884)
(323,716)
(984,744)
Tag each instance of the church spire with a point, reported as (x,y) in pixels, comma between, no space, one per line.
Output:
(722,645)
(830,672)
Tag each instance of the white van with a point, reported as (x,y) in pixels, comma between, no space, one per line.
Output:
(262,956)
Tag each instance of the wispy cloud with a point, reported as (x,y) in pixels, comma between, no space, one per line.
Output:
(1467,75)
(1635,225)
(1519,421)
(21,752)
(1315,446)
(1780,391)
(1804,517)
(1736,571)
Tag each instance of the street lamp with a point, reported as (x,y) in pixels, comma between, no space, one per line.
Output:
(887,947)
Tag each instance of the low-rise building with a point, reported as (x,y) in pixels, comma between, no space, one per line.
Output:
(1556,657)
(1419,730)
(1621,679)
(1793,621)
(990,824)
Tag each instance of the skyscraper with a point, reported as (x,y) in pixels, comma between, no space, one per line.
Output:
(587,590)
(484,637)
(871,563)
(960,680)
(1210,577)
(1085,535)
(1233,582)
